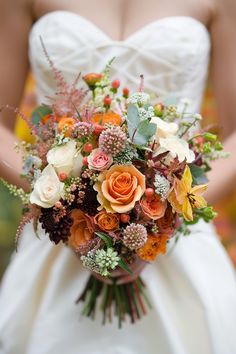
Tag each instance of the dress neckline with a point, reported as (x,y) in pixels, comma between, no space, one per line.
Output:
(131,36)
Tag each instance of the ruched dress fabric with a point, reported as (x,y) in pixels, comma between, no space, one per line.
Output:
(192,289)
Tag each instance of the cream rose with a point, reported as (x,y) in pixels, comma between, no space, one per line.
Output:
(48,189)
(164,129)
(177,148)
(65,158)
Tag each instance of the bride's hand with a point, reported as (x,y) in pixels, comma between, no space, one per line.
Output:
(122,276)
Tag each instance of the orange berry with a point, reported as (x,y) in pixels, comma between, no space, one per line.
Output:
(58,205)
(107,101)
(85,161)
(62,176)
(115,84)
(97,129)
(125,218)
(149,192)
(126,92)
(88,147)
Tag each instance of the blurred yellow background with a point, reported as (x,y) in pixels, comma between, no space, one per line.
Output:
(10,208)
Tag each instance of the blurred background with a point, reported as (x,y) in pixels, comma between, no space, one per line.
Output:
(10,207)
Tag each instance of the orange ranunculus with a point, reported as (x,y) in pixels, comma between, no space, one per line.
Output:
(81,229)
(155,245)
(92,78)
(153,207)
(107,117)
(66,125)
(119,188)
(107,221)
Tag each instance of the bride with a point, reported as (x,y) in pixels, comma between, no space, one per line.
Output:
(193,289)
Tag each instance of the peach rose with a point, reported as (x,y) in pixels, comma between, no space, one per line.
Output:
(119,188)
(153,207)
(155,245)
(107,221)
(81,230)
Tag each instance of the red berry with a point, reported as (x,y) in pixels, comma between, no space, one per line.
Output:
(115,84)
(107,100)
(85,161)
(149,192)
(97,129)
(125,218)
(62,176)
(58,205)
(88,147)
(125,92)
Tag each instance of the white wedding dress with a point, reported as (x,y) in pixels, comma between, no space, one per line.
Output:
(193,289)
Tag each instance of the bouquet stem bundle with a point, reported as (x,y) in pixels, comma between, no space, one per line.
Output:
(116,300)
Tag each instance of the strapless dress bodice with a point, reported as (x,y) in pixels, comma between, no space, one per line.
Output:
(172,53)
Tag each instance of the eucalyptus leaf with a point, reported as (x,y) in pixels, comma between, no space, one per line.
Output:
(39,113)
(133,119)
(144,132)
(198,174)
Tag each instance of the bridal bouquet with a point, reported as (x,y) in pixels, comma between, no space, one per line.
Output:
(115,175)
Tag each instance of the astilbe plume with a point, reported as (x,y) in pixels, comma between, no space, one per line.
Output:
(32,214)
(68,98)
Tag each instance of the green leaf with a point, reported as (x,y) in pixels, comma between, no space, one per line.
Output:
(39,113)
(105,238)
(198,174)
(144,132)
(133,119)
(125,267)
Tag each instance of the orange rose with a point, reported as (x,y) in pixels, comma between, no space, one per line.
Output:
(66,125)
(119,188)
(107,221)
(155,245)
(81,229)
(153,207)
(108,117)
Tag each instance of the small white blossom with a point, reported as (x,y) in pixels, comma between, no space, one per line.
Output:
(146,113)
(162,186)
(139,98)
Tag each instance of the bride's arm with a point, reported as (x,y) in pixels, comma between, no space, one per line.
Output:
(223,75)
(15,23)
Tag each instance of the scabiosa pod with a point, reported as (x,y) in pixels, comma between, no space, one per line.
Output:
(112,140)
(135,236)
(102,261)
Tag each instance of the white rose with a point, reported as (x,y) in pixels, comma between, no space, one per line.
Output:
(177,148)
(164,129)
(65,157)
(48,189)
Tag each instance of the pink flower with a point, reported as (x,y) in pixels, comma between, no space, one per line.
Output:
(99,160)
